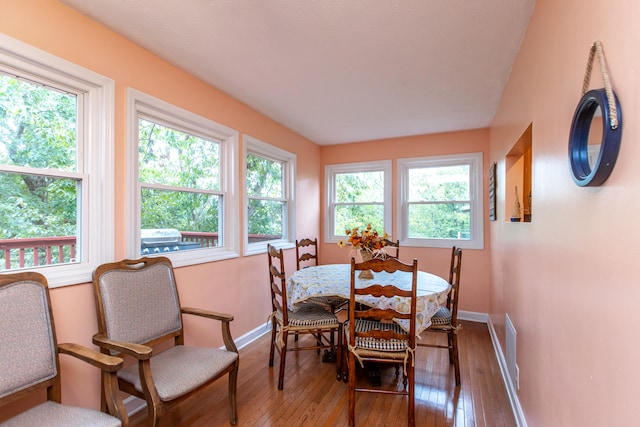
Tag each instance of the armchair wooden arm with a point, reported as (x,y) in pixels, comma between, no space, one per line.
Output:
(109,365)
(139,351)
(105,362)
(223,317)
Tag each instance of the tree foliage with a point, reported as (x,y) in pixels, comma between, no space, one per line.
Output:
(184,162)
(266,208)
(359,201)
(37,130)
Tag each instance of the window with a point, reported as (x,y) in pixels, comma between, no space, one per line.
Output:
(269,196)
(56,165)
(181,182)
(357,194)
(440,201)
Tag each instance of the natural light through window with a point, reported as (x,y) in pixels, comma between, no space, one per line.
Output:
(441,201)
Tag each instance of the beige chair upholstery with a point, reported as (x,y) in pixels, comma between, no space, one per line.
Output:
(372,335)
(138,308)
(445,321)
(29,361)
(308,319)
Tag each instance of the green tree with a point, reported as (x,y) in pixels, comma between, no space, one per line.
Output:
(186,163)
(266,210)
(359,198)
(37,130)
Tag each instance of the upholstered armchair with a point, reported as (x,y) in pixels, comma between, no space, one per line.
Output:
(138,308)
(29,360)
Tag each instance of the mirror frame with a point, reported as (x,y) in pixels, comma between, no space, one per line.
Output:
(583,174)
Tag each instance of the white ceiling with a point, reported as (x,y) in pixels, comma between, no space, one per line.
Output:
(338,71)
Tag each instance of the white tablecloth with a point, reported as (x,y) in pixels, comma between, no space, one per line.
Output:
(335,280)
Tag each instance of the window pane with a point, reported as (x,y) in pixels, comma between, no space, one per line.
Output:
(360,187)
(172,157)
(264,177)
(265,218)
(440,221)
(38,220)
(439,183)
(37,126)
(351,216)
(193,223)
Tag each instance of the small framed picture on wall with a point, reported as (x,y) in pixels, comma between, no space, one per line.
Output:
(492,192)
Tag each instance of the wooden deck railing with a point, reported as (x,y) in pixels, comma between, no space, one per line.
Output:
(32,252)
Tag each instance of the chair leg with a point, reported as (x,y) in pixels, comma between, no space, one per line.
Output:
(352,389)
(273,342)
(339,354)
(412,392)
(233,407)
(283,357)
(456,361)
(450,336)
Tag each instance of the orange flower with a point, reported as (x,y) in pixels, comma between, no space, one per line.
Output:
(368,239)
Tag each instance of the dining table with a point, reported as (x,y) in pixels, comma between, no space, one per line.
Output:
(335,280)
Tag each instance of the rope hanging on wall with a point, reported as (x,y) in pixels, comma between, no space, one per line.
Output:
(596,47)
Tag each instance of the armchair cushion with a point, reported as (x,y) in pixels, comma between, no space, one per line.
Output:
(30,330)
(51,414)
(181,369)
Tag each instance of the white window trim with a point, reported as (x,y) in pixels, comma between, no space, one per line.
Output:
(330,172)
(96,227)
(149,106)
(264,149)
(474,160)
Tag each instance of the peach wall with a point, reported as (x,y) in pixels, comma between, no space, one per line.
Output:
(238,286)
(568,279)
(475,276)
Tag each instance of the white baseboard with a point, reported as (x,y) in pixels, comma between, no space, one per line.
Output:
(511,390)
(473,316)
(252,335)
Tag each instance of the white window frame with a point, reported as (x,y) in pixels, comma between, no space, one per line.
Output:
(96,95)
(474,161)
(330,172)
(260,148)
(151,108)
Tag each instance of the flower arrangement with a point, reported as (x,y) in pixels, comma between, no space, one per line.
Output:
(366,240)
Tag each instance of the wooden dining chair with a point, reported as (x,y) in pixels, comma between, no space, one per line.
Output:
(445,321)
(392,248)
(29,360)
(308,319)
(306,256)
(139,314)
(372,334)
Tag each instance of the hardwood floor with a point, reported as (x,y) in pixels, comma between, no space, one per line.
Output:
(313,397)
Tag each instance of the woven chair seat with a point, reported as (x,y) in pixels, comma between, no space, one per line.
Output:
(171,375)
(377,345)
(52,414)
(441,318)
(309,315)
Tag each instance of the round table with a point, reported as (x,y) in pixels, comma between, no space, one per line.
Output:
(335,280)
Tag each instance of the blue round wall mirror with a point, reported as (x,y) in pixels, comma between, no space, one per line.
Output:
(594,140)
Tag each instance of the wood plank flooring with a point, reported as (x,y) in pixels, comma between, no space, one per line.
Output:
(313,397)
